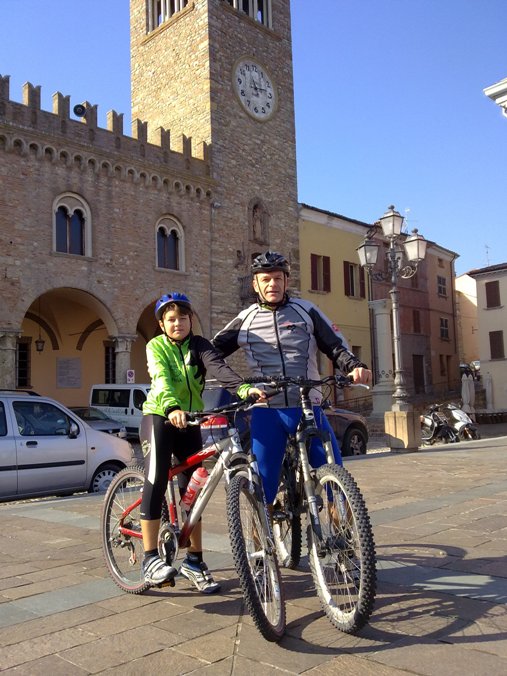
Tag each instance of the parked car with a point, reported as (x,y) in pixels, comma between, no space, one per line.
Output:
(46,449)
(351,428)
(122,402)
(100,421)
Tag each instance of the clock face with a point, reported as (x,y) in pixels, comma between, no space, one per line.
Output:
(255,89)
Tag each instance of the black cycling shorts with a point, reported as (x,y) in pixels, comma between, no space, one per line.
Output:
(162,440)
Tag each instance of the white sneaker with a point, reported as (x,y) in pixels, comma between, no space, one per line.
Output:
(156,571)
(199,574)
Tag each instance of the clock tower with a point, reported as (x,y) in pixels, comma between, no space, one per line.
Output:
(219,72)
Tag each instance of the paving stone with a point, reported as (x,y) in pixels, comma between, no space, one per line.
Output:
(35,627)
(107,652)
(434,659)
(168,662)
(355,666)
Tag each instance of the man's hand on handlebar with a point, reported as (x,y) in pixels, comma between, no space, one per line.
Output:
(361,376)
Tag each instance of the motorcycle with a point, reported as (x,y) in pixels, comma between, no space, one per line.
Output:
(435,427)
(460,422)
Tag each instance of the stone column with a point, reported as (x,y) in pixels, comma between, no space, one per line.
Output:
(122,348)
(382,392)
(8,340)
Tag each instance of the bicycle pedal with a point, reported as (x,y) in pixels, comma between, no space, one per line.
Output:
(167,583)
(278,515)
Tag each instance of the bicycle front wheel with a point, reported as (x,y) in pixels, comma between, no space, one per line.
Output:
(255,559)
(343,561)
(287,520)
(123,551)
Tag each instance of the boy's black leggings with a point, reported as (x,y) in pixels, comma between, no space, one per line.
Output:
(163,440)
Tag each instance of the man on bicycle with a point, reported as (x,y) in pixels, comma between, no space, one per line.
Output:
(281,336)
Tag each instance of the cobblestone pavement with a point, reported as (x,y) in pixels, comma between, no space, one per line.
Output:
(441,535)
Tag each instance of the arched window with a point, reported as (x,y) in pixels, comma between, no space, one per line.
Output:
(72,225)
(170,244)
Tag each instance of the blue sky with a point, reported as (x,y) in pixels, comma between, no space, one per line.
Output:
(389,97)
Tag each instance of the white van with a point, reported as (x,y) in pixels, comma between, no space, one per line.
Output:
(121,402)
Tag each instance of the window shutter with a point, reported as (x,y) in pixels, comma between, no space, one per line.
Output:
(346,277)
(493,294)
(326,273)
(362,283)
(314,272)
(496,345)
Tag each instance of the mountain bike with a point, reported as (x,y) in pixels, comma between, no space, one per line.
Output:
(340,540)
(249,526)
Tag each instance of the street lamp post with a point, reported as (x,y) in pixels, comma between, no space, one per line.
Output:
(403,257)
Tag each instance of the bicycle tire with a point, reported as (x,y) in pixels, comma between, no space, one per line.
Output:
(344,571)
(287,520)
(124,554)
(255,561)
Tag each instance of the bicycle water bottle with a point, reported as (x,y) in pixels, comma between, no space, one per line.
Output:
(196,483)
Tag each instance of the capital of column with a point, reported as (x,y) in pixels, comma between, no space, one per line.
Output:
(381,306)
(123,343)
(8,338)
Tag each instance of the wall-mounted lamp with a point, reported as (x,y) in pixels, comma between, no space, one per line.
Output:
(40,342)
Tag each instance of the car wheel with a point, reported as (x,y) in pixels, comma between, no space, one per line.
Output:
(103,477)
(354,442)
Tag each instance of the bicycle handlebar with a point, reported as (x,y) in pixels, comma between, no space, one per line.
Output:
(280,382)
(195,417)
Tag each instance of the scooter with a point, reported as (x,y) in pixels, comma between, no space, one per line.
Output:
(435,427)
(460,422)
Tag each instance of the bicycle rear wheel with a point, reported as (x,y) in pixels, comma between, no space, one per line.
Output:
(124,553)
(255,559)
(287,520)
(343,562)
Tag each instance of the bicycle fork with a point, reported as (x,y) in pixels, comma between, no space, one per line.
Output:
(304,435)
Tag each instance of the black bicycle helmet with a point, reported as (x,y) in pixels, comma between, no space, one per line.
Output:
(167,299)
(269,262)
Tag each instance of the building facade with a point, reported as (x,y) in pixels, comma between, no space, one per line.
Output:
(96,224)
(466,317)
(332,278)
(492,318)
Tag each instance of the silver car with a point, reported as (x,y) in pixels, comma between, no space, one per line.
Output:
(100,421)
(46,449)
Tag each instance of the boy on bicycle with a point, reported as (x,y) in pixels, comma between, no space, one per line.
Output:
(282,335)
(177,363)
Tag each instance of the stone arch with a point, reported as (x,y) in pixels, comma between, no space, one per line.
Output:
(78,160)
(169,233)
(49,153)
(19,146)
(64,156)
(92,164)
(72,203)
(34,149)
(106,167)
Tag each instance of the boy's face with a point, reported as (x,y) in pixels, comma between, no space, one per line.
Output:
(175,324)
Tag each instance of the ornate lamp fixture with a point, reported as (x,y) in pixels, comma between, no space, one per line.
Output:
(403,257)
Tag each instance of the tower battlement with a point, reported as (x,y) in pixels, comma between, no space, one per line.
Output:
(173,154)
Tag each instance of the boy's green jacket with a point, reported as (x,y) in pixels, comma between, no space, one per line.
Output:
(178,374)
